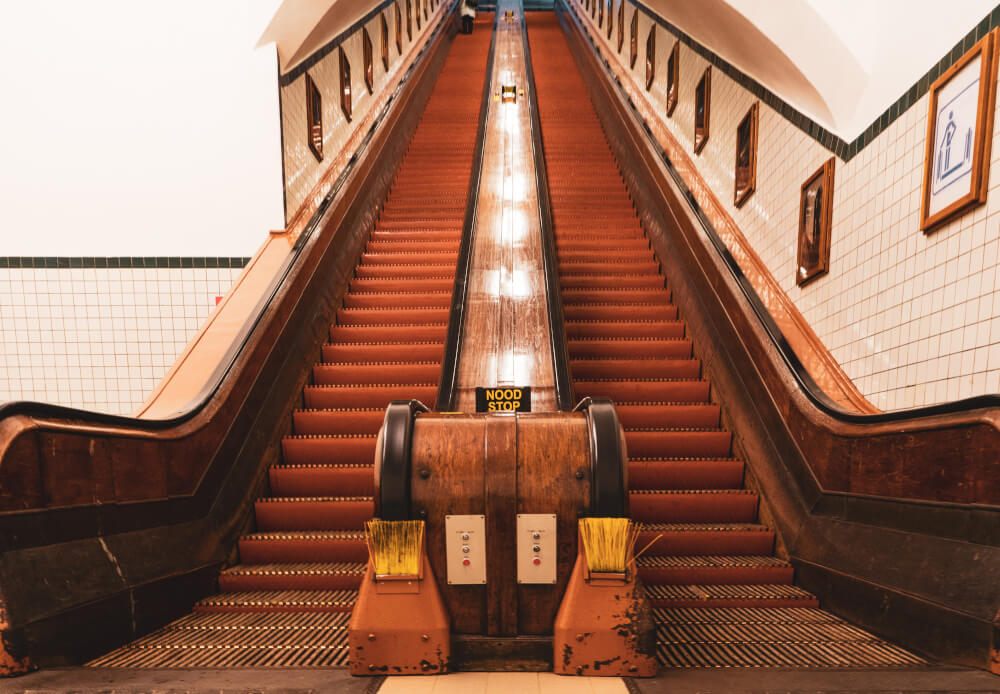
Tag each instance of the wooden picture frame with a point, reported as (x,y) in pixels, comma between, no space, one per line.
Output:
(383,29)
(399,29)
(367,52)
(702,110)
(346,104)
(633,39)
(673,77)
(956,178)
(314,118)
(745,169)
(815,222)
(650,57)
(611,16)
(621,25)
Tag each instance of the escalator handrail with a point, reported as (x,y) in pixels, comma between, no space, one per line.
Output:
(812,390)
(50,411)
(448,385)
(553,294)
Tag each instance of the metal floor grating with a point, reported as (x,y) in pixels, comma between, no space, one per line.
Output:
(233,639)
(770,638)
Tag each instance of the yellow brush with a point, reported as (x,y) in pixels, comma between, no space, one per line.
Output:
(609,544)
(395,546)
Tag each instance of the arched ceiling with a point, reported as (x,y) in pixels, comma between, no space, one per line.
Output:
(300,27)
(840,62)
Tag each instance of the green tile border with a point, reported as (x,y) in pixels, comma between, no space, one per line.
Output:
(120,262)
(842,148)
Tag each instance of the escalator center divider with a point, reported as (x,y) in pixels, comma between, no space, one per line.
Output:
(553,304)
(447,386)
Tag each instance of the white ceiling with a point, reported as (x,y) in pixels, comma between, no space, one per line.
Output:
(841,62)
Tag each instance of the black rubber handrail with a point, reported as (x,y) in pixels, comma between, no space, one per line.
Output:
(608,462)
(393,460)
(816,395)
(448,386)
(553,293)
(44,410)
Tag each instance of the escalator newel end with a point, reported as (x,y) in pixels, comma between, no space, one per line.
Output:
(399,625)
(604,626)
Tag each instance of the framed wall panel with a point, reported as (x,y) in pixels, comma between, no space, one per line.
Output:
(384,40)
(346,104)
(369,60)
(673,77)
(399,29)
(702,109)
(633,39)
(815,221)
(959,135)
(746,156)
(314,118)
(621,25)
(650,57)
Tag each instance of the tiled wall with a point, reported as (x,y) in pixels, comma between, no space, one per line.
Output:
(302,169)
(913,319)
(99,338)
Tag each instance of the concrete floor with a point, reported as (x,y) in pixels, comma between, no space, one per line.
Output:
(318,681)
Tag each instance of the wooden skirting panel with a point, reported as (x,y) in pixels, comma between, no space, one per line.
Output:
(906,510)
(112,529)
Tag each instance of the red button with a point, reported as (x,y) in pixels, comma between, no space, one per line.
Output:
(466,562)
(536,561)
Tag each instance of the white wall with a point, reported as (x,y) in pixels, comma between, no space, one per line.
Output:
(913,318)
(138,128)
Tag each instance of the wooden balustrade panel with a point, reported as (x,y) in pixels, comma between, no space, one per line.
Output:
(499,466)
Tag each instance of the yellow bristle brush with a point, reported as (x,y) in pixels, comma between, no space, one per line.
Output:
(394,547)
(609,544)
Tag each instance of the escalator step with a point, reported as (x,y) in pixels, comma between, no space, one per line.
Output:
(303,546)
(705,538)
(322,480)
(681,473)
(313,512)
(297,576)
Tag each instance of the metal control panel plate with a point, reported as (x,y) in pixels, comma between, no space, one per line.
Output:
(536,548)
(465,549)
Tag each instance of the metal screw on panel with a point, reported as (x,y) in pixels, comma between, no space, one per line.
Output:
(465,536)
(579,670)
(425,666)
(579,637)
(579,474)
(634,668)
(422,513)
(425,637)
(536,548)
(465,549)
(536,536)
(425,473)
(371,637)
(371,668)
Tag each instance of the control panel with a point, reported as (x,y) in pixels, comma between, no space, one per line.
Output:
(536,548)
(465,549)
